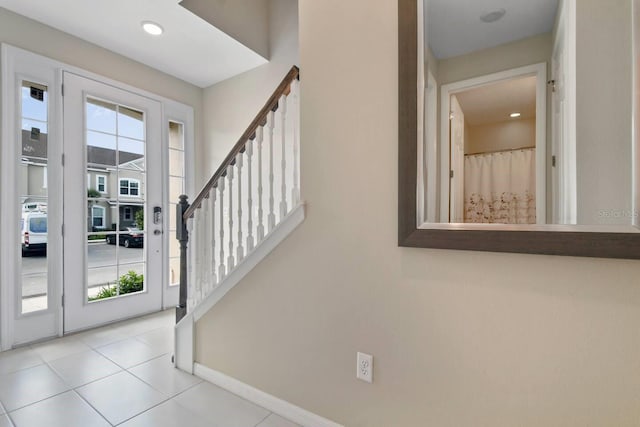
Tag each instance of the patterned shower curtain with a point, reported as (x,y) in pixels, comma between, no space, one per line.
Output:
(500,187)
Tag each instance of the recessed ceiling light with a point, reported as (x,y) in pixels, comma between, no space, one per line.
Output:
(152,28)
(492,16)
(514,115)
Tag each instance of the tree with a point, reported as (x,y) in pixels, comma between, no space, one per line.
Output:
(140,219)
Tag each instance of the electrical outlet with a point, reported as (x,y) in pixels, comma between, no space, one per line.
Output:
(364,368)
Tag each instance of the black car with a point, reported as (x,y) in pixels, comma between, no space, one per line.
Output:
(130,237)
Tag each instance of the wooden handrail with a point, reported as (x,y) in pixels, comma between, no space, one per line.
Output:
(260,119)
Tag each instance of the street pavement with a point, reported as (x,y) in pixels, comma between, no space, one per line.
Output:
(102,264)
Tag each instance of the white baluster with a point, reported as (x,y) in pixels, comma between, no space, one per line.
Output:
(191,277)
(197,244)
(260,229)
(283,163)
(249,151)
(230,259)
(204,246)
(272,215)
(240,248)
(221,268)
(295,116)
(212,264)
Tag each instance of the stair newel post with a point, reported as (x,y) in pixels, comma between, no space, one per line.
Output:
(272,215)
(182,235)
(212,264)
(249,151)
(260,228)
(295,193)
(283,160)
(221,268)
(230,259)
(240,248)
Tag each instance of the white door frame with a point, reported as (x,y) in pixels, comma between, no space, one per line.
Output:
(456,159)
(563,140)
(432,147)
(14,59)
(540,71)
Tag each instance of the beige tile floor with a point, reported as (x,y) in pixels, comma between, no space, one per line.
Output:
(117,375)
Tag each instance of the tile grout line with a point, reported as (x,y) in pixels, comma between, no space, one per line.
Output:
(147,361)
(42,361)
(49,397)
(159,391)
(265,418)
(146,410)
(41,400)
(89,348)
(92,407)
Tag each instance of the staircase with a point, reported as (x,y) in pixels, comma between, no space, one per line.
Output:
(250,204)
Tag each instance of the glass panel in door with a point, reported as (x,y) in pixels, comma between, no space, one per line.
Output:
(176,188)
(33,196)
(115,146)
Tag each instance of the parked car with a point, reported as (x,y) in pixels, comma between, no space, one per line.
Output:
(33,232)
(129,237)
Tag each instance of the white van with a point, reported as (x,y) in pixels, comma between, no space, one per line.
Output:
(33,232)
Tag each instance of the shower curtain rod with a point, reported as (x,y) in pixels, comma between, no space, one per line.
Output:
(500,151)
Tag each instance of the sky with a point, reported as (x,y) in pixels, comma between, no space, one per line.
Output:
(108,126)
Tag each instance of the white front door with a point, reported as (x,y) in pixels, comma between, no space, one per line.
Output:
(113,247)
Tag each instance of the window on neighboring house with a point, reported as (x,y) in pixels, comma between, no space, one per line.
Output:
(44,177)
(101,183)
(97,216)
(127,214)
(129,187)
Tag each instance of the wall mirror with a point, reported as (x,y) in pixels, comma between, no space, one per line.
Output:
(520,136)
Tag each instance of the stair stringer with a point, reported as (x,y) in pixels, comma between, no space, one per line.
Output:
(184,331)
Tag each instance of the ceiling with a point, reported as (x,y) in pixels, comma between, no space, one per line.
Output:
(454,26)
(494,102)
(190,49)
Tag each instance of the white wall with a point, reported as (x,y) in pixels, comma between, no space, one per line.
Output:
(231,105)
(501,136)
(458,338)
(604,100)
(245,20)
(531,50)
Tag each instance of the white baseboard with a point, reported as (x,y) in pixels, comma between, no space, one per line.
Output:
(277,406)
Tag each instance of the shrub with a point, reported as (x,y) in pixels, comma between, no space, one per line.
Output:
(129,282)
(105,292)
